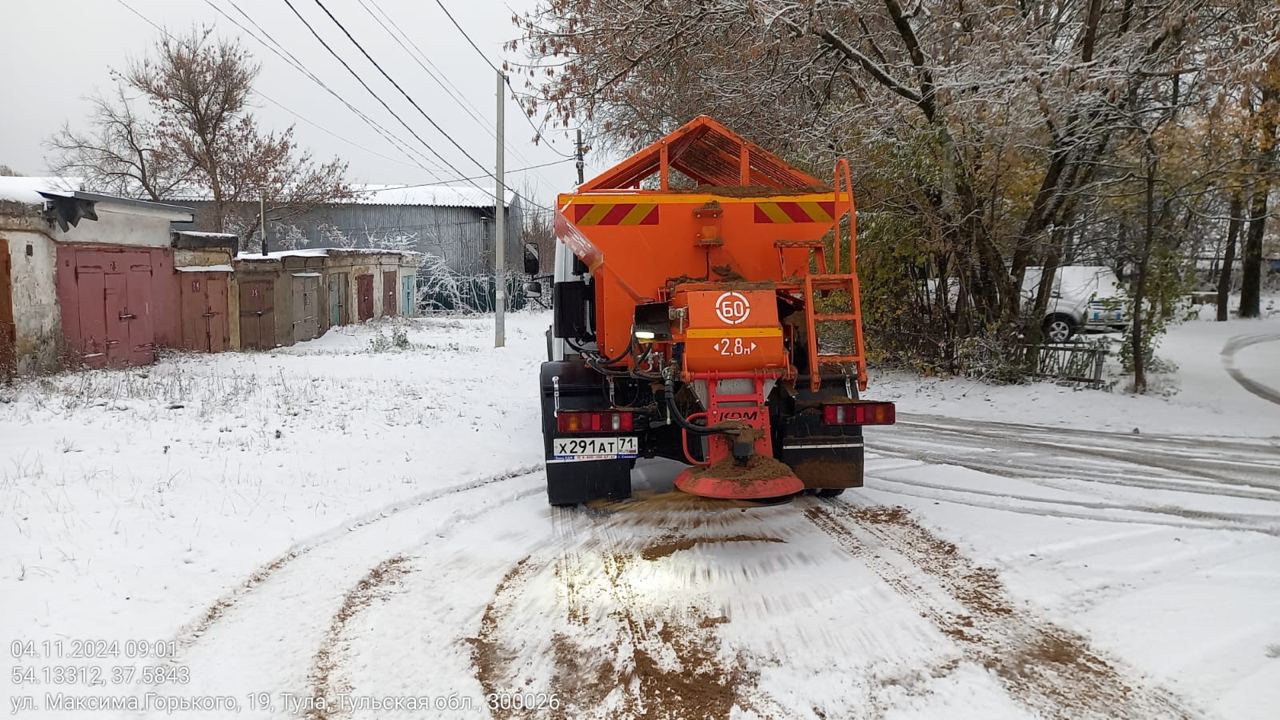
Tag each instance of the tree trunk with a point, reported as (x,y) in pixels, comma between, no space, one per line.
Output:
(1229,256)
(1251,261)
(1140,284)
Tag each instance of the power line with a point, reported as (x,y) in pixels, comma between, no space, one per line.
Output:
(471,180)
(370,90)
(294,62)
(327,131)
(441,79)
(497,191)
(277,103)
(435,74)
(468,37)
(395,84)
(506,80)
(481,177)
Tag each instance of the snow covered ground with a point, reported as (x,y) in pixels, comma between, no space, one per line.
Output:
(350,526)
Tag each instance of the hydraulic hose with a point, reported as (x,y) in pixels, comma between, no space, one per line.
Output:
(669,392)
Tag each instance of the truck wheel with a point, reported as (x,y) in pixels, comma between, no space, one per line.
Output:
(1058,328)
(830,492)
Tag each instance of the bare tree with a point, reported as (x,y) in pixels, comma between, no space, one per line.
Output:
(197,137)
(982,133)
(122,153)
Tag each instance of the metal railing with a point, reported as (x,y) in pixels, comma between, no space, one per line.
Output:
(1078,363)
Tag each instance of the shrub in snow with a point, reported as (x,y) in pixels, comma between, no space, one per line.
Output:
(396,339)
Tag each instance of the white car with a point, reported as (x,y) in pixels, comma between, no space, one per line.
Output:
(1085,298)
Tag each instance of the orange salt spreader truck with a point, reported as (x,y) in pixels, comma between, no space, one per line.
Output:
(719,326)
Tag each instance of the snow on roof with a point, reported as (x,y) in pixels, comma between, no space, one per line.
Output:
(430,195)
(205,268)
(276,255)
(27,189)
(220,236)
(320,252)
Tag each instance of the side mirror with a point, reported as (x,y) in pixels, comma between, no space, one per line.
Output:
(531,264)
(533,289)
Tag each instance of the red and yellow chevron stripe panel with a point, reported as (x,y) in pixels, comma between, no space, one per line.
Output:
(620,213)
(795,212)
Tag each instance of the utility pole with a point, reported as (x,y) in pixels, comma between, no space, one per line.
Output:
(499,235)
(578,155)
(262,221)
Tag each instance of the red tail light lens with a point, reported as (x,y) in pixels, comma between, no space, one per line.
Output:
(594,422)
(861,413)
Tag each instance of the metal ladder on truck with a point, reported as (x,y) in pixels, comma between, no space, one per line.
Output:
(828,280)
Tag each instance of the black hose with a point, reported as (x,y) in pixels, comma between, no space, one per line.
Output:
(601,358)
(679,418)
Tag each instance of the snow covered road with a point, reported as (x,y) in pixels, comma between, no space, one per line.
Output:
(988,569)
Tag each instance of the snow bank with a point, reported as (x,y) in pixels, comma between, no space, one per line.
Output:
(1199,397)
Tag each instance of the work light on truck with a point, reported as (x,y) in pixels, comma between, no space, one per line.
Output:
(860,413)
(592,421)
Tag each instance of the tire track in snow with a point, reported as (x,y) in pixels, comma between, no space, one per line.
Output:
(1176,458)
(325,684)
(1050,670)
(191,633)
(1235,345)
(1167,515)
(1005,467)
(277,642)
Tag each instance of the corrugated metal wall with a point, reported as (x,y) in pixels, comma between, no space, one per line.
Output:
(463,236)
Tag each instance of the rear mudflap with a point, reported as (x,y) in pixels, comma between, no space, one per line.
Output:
(571,483)
(836,463)
(569,385)
(822,456)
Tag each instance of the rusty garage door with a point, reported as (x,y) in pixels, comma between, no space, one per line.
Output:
(364,297)
(109,314)
(389,292)
(205,326)
(257,315)
(306,306)
(8,335)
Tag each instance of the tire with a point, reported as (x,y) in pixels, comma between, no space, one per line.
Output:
(830,492)
(1057,329)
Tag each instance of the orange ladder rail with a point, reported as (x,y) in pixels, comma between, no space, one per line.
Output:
(834,279)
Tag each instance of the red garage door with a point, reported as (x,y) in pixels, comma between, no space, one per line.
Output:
(389,292)
(364,297)
(113,301)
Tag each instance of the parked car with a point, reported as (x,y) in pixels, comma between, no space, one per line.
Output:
(1085,298)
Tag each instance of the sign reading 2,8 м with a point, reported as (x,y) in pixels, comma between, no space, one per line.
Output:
(734,346)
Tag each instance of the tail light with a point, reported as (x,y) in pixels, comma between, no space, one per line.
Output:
(594,422)
(860,413)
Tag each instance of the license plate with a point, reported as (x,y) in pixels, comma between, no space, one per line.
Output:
(594,448)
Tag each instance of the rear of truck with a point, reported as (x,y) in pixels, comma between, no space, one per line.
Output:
(718,325)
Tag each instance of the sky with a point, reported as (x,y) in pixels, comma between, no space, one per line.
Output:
(59,53)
